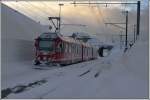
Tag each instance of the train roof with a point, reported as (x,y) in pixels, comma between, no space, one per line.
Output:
(64,38)
(48,35)
(72,40)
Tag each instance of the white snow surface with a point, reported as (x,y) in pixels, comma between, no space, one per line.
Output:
(119,75)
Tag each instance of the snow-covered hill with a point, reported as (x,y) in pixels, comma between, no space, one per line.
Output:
(18,33)
(17,38)
(18,26)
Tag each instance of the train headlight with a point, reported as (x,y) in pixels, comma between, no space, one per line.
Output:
(44,53)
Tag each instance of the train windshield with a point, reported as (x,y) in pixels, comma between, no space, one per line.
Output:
(47,45)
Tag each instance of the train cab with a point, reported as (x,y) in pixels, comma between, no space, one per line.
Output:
(46,47)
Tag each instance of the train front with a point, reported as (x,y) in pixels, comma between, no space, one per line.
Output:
(45,48)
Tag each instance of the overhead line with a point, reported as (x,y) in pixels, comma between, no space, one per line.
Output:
(104,3)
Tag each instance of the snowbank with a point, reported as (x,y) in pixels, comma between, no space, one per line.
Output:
(136,59)
(18,33)
(131,74)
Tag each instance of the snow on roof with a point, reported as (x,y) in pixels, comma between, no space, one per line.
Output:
(69,39)
(48,35)
(72,40)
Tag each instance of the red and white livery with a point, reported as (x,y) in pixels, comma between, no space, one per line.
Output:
(57,49)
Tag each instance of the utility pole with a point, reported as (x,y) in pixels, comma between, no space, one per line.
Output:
(60,15)
(134,33)
(126,43)
(138,19)
(121,40)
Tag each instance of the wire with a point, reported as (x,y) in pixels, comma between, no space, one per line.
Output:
(32,5)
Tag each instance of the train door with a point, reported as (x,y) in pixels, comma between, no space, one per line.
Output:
(92,54)
(82,53)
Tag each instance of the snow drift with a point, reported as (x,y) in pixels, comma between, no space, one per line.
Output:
(18,33)
(131,72)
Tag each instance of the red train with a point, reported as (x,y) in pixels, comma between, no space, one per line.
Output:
(57,49)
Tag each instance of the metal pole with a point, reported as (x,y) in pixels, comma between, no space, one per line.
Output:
(138,19)
(60,16)
(121,40)
(126,43)
(134,33)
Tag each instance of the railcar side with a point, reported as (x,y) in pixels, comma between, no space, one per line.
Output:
(64,50)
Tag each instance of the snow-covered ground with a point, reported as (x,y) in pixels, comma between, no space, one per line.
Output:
(118,75)
(114,76)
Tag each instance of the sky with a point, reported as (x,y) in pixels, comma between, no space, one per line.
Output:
(93,16)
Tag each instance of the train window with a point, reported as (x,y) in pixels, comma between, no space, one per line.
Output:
(80,50)
(87,51)
(72,48)
(61,47)
(64,45)
(77,49)
(69,48)
(84,50)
